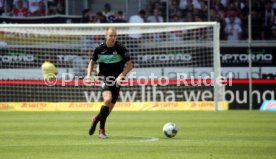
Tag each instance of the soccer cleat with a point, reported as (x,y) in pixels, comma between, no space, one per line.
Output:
(102,134)
(93,126)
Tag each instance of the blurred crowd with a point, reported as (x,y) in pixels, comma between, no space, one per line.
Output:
(232,14)
(30,8)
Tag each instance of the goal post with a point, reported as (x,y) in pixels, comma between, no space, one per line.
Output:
(173,62)
(218,88)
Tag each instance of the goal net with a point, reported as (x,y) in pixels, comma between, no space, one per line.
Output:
(173,62)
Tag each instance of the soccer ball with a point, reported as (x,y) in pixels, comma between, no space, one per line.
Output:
(169,129)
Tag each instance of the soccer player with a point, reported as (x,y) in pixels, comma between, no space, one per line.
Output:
(114,64)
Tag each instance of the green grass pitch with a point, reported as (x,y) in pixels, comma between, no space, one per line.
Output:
(133,135)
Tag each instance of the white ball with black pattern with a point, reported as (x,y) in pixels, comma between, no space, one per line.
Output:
(169,129)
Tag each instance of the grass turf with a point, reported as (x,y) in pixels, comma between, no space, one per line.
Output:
(201,135)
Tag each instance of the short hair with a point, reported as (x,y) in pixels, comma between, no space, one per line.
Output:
(107,5)
(110,28)
(142,12)
(99,14)
(120,12)
(85,11)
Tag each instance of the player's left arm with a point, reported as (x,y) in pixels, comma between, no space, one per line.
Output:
(127,69)
(128,65)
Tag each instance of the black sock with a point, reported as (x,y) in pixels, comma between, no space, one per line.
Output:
(97,118)
(104,113)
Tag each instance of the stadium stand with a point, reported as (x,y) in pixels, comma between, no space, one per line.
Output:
(173,11)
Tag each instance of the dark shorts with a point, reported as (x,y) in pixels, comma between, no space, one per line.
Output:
(112,88)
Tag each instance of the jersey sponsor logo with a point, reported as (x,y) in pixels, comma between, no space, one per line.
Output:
(110,58)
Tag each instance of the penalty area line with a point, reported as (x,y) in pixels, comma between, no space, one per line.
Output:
(140,139)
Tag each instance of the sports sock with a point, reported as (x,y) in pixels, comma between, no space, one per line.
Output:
(104,113)
(98,117)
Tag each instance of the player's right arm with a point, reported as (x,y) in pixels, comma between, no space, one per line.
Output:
(92,62)
(90,68)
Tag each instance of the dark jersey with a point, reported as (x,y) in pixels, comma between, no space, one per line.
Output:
(111,59)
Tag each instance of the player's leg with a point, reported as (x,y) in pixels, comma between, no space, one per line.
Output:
(110,97)
(107,98)
(94,121)
(104,112)
(115,94)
